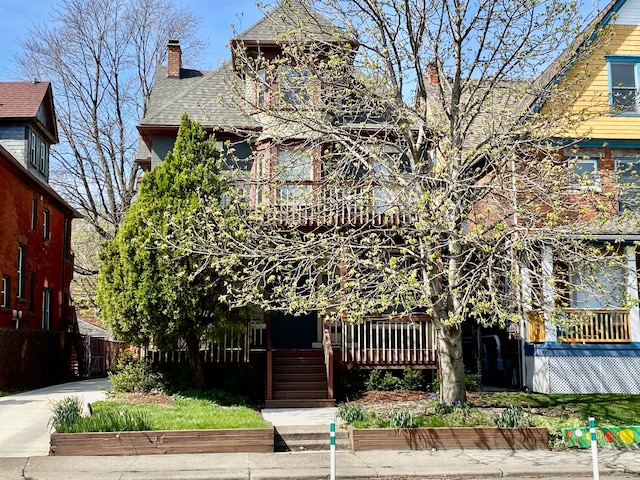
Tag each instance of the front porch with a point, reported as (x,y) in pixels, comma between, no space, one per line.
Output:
(301,354)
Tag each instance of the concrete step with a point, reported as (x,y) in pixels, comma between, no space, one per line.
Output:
(300,403)
(309,438)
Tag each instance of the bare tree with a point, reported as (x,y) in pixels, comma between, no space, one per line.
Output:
(101,57)
(418,172)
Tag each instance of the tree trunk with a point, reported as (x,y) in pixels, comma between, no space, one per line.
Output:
(193,348)
(452,388)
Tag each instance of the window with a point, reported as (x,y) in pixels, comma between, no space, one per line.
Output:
(295,169)
(67,237)
(32,290)
(294,86)
(46,309)
(623,83)
(628,183)
(6,288)
(261,89)
(34,214)
(39,153)
(597,285)
(21,270)
(584,173)
(33,157)
(46,224)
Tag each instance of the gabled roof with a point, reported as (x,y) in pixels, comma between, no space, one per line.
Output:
(557,70)
(288,16)
(13,166)
(204,95)
(21,101)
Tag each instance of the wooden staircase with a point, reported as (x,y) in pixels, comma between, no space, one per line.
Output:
(299,380)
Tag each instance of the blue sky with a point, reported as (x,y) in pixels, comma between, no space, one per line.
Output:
(17,16)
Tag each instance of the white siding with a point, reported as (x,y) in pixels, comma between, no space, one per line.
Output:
(629,14)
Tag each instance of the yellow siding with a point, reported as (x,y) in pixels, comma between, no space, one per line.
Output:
(591,107)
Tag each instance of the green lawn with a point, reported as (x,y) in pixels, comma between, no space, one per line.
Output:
(607,409)
(187,414)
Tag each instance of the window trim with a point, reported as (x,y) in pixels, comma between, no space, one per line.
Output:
(22,266)
(34,214)
(5,292)
(574,180)
(47,295)
(627,160)
(46,224)
(623,59)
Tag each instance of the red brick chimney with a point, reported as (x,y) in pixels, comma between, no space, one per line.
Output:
(174,63)
(432,73)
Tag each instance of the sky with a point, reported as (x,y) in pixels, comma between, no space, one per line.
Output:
(216,17)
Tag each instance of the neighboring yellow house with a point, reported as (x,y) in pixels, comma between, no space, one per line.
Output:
(598,349)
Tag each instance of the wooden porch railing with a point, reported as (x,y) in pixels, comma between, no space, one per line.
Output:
(312,203)
(328,358)
(390,343)
(584,326)
(595,326)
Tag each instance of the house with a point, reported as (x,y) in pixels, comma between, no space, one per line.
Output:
(593,345)
(299,352)
(36,263)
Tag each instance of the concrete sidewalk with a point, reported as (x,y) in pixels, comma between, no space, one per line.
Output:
(306,466)
(24,417)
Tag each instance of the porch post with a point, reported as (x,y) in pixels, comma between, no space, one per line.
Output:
(267,319)
(548,292)
(632,292)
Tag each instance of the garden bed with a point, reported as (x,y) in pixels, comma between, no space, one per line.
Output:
(485,438)
(163,441)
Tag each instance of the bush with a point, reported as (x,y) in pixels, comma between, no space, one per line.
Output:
(134,375)
(412,380)
(379,382)
(350,412)
(554,426)
(513,417)
(65,413)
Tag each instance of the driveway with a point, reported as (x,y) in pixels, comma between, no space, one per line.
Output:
(24,417)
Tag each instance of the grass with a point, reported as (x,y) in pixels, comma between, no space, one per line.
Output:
(185,414)
(607,409)
(553,412)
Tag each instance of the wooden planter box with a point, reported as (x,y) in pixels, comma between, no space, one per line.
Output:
(485,438)
(163,441)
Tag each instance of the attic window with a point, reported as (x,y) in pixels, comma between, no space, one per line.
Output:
(623,84)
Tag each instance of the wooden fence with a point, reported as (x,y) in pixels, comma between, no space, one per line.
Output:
(32,358)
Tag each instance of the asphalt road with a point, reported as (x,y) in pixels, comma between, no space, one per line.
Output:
(24,417)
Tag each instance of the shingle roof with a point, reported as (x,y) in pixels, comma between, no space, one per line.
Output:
(21,99)
(206,96)
(563,63)
(14,166)
(289,16)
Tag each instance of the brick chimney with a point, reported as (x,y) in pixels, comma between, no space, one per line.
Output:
(174,63)
(432,73)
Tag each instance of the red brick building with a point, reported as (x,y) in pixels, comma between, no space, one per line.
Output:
(36,263)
